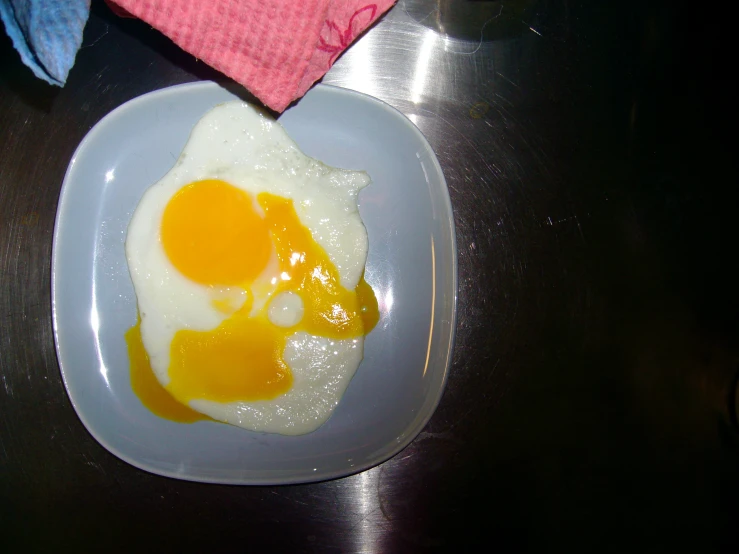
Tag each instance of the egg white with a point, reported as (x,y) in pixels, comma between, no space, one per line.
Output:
(242,146)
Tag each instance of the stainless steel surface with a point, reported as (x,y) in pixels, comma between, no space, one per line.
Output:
(586,149)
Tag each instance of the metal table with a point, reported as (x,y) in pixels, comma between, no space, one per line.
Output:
(591,399)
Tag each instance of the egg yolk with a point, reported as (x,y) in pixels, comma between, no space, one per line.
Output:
(204,223)
(242,359)
(146,386)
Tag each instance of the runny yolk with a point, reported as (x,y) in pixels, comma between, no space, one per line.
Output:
(242,359)
(330,310)
(146,386)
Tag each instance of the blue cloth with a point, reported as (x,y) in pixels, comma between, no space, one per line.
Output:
(46,33)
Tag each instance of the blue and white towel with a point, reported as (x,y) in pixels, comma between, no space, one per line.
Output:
(46,33)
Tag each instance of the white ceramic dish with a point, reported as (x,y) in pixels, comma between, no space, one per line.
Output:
(412,266)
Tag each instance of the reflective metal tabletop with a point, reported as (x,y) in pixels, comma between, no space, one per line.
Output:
(591,401)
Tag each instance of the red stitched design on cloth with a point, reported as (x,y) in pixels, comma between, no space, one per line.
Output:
(337,39)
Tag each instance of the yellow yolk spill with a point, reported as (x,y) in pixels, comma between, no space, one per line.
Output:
(146,386)
(369,311)
(241,359)
(329,310)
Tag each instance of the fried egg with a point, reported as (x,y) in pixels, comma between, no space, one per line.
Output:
(247,260)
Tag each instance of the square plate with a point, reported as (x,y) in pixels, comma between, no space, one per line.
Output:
(412,266)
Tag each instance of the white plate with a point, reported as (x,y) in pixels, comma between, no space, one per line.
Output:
(412,267)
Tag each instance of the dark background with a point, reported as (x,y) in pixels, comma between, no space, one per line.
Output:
(590,404)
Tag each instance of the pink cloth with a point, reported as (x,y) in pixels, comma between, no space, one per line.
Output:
(275,48)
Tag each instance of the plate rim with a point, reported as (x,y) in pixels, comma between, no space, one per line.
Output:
(386,452)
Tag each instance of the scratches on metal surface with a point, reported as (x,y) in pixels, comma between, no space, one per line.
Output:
(289,498)
(98,39)
(502,76)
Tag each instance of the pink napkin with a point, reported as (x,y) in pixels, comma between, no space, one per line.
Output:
(275,48)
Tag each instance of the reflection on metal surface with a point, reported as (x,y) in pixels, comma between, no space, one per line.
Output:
(365,500)
(419,70)
(361,69)
(473,20)
(433,303)
(422,66)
